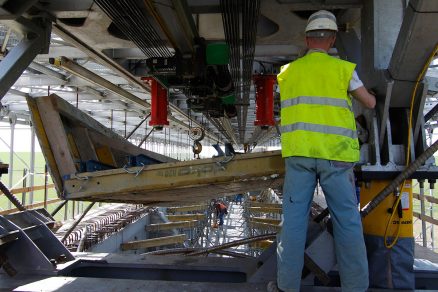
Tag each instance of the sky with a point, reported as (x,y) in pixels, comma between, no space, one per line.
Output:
(22,138)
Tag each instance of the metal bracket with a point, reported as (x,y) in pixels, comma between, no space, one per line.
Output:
(35,249)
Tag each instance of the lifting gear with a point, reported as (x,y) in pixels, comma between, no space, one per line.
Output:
(196,134)
(264,85)
(197,148)
(158,104)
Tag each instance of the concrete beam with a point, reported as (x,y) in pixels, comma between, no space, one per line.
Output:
(415,41)
(432,83)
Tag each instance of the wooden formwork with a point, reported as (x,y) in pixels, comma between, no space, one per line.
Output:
(68,136)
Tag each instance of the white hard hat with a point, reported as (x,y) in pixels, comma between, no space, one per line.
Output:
(322,20)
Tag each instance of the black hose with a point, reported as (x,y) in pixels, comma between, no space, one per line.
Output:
(399,179)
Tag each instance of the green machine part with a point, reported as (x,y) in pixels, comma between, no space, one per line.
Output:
(228,99)
(218,54)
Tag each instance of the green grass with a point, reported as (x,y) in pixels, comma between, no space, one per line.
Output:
(22,161)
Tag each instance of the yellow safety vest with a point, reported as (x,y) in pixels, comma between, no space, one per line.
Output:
(316,112)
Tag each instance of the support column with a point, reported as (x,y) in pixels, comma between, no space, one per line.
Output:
(381,22)
(12,122)
(32,163)
(432,231)
(423,212)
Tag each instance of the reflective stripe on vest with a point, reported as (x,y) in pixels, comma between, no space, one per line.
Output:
(319,100)
(320,129)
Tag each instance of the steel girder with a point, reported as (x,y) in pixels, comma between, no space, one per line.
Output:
(36,40)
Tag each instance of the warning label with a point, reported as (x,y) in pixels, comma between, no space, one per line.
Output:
(405,200)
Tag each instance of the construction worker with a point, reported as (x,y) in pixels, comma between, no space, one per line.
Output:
(221,211)
(319,143)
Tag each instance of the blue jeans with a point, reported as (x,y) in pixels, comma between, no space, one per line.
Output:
(221,218)
(337,181)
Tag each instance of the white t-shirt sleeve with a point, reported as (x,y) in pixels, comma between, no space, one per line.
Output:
(355,82)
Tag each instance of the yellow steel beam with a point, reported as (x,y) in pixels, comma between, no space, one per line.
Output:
(171,225)
(159,241)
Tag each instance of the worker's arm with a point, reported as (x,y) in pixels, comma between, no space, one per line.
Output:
(364,97)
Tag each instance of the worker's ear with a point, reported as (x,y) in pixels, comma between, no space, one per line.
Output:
(332,41)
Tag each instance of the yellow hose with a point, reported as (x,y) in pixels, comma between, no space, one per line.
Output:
(408,152)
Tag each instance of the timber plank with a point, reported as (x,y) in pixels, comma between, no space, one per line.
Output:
(265,210)
(179,196)
(261,204)
(171,225)
(430,199)
(186,217)
(186,208)
(31,206)
(97,131)
(44,143)
(264,226)
(425,218)
(84,144)
(262,244)
(29,189)
(175,182)
(57,137)
(154,242)
(266,220)
(125,146)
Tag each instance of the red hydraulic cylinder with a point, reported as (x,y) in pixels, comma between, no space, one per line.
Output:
(264,85)
(158,104)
